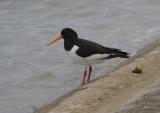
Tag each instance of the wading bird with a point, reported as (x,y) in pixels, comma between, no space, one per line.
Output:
(86,52)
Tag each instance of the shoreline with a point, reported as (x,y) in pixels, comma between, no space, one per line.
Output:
(77,100)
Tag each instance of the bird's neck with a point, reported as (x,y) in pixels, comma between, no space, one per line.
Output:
(68,44)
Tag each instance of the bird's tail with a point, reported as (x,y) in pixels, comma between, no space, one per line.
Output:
(122,54)
(118,53)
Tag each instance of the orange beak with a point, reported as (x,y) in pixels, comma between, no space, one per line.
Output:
(55,40)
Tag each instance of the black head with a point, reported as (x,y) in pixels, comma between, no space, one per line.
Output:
(69,34)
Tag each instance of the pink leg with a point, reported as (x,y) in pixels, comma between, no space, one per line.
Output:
(89,74)
(84,76)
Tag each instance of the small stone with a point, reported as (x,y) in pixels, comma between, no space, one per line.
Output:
(99,99)
(137,70)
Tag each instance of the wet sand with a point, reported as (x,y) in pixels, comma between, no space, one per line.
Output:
(120,91)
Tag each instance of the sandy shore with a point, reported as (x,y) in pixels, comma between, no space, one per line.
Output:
(119,92)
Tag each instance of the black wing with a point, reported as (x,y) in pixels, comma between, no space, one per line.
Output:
(88,48)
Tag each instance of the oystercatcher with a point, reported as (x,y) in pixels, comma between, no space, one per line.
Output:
(86,52)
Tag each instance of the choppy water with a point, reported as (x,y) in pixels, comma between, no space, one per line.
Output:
(32,74)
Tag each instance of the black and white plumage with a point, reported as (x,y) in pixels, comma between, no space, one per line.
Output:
(86,52)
